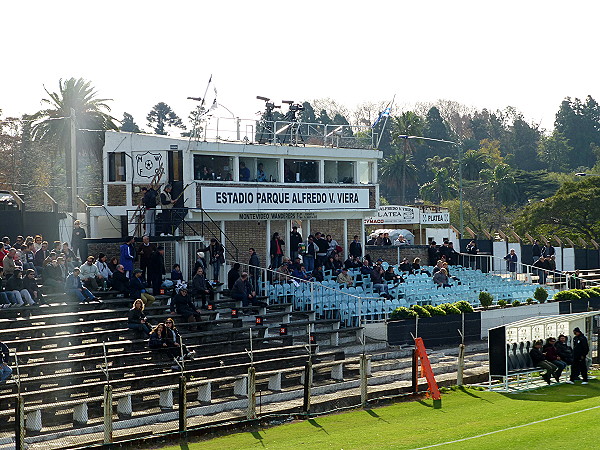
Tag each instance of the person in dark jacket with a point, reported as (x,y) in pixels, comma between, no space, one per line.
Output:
(183,305)
(233,275)
(317,274)
(310,256)
(536,250)
(77,239)
(539,360)
(201,287)
(276,251)
(176,274)
(433,253)
(5,370)
(137,288)
(156,269)
(551,354)
(158,341)
(242,291)
(253,269)
(75,288)
(32,287)
(581,349)
(175,341)
(355,247)
(145,251)
(136,318)
(564,350)
(120,282)
(217,258)
(511,262)
(295,241)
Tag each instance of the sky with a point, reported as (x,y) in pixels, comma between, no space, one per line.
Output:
(525,54)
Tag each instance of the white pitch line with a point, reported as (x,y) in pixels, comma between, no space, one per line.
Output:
(508,429)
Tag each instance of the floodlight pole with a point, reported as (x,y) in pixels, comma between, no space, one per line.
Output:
(73,164)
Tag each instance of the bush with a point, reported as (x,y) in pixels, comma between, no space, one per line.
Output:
(502,303)
(516,303)
(530,301)
(486,299)
(435,310)
(581,293)
(540,294)
(402,313)
(566,295)
(592,292)
(450,308)
(464,306)
(421,312)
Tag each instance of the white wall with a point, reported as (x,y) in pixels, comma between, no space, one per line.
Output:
(497,317)
(569,259)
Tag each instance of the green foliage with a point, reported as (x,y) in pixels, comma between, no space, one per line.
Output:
(421,312)
(566,295)
(516,303)
(450,308)
(592,292)
(502,303)
(128,124)
(530,301)
(442,187)
(486,299)
(540,294)
(435,310)
(578,121)
(161,116)
(464,306)
(402,313)
(581,293)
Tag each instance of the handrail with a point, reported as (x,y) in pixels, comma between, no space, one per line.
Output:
(237,251)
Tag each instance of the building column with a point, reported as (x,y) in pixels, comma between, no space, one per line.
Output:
(288,230)
(281,169)
(227,256)
(268,238)
(307,232)
(362,233)
(345,241)
(321,171)
(236,168)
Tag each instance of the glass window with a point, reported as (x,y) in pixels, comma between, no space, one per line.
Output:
(339,172)
(267,170)
(213,168)
(301,171)
(364,172)
(116,167)
(175,166)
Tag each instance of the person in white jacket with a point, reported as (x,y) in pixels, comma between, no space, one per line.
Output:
(89,274)
(105,272)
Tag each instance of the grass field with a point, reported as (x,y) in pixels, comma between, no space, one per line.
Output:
(465,413)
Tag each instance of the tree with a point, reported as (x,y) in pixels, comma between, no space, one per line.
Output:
(407,124)
(442,187)
(523,144)
(555,152)
(500,182)
(473,162)
(128,124)
(162,116)
(390,168)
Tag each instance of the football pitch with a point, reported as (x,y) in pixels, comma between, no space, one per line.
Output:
(553,417)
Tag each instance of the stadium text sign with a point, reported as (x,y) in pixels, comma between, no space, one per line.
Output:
(394,215)
(237,199)
(432,218)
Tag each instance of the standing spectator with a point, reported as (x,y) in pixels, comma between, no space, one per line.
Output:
(253,269)
(386,239)
(89,274)
(333,246)
(295,241)
(540,265)
(550,251)
(233,275)
(77,239)
(127,251)
(244,172)
(166,205)
(433,253)
(149,201)
(355,247)
(120,282)
(311,254)
(15,285)
(451,254)
(217,258)
(322,249)
(104,271)
(539,360)
(136,318)
(276,251)
(201,288)
(536,250)
(5,370)
(471,251)
(145,251)
(75,288)
(580,350)
(200,261)
(137,288)
(511,262)
(156,269)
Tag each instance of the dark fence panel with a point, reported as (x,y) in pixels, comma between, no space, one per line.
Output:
(435,331)
(30,223)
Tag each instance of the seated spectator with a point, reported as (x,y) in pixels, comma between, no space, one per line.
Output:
(351,262)
(317,274)
(137,288)
(345,278)
(390,275)
(295,266)
(15,285)
(10,263)
(233,275)
(539,360)
(103,270)
(445,266)
(136,318)
(379,283)
(400,240)
(113,263)
(119,281)
(564,350)
(56,247)
(7,298)
(175,341)
(441,279)
(405,266)
(41,257)
(202,288)
(32,287)
(28,258)
(176,274)
(75,288)
(386,239)
(158,341)
(5,370)
(366,268)
(244,292)
(372,240)
(300,274)
(416,266)
(89,274)
(183,305)
(551,354)
(282,274)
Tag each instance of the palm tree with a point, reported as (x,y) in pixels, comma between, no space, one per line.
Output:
(405,125)
(442,187)
(394,165)
(500,181)
(473,163)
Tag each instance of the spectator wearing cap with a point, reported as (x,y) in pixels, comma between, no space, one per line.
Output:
(137,288)
(156,269)
(345,278)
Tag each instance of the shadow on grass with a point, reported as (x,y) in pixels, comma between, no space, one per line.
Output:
(316,424)
(375,415)
(470,393)
(256,435)
(563,393)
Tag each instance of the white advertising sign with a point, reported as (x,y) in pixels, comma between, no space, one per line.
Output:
(394,215)
(238,199)
(432,218)
(146,164)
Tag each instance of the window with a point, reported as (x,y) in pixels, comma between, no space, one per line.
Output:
(365,172)
(175,166)
(270,169)
(213,168)
(301,171)
(116,167)
(339,172)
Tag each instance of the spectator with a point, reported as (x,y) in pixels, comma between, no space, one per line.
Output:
(334,247)
(242,291)
(201,287)
(176,274)
(200,261)
(539,360)
(175,341)
(300,273)
(75,288)
(317,274)
(166,205)
(322,249)
(145,251)
(551,354)
(386,239)
(405,266)
(56,247)
(77,239)
(379,283)
(233,275)
(217,258)
(295,241)
(472,248)
(445,266)
(282,274)
(355,247)
(438,266)
(311,254)
(89,274)
(28,260)
(564,350)
(366,268)
(54,279)
(333,264)
(351,262)
(37,242)
(390,275)
(244,172)
(104,270)
(550,251)
(113,263)
(120,282)
(7,298)
(451,254)
(156,269)
(580,350)
(32,287)
(15,285)
(372,239)
(345,278)
(184,306)
(5,370)
(253,270)
(400,240)
(433,253)
(536,250)
(260,173)
(149,201)
(416,266)
(276,250)
(540,269)
(127,251)
(11,263)
(41,257)
(158,341)
(136,318)
(137,288)
(69,257)
(511,262)
(441,279)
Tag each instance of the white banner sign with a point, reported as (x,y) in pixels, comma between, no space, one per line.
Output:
(394,215)
(432,218)
(237,199)
(146,164)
